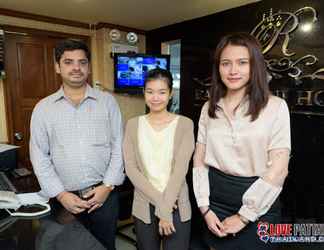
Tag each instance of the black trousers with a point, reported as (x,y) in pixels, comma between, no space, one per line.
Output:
(225,198)
(148,237)
(102,223)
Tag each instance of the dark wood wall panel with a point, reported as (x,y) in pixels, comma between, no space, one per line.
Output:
(32,73)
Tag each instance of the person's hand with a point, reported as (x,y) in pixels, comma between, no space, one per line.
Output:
(233,224)
(97,196)
(72,202)
(166,228)
(214,224)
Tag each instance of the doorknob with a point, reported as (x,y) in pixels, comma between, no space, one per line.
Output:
(18,136)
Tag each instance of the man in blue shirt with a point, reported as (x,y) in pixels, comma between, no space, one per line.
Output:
(75,144)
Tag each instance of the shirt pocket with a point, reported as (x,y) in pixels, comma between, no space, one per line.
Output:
(100,130)
(99,143)
(101,151)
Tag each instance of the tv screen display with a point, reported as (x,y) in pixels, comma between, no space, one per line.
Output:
(130,70)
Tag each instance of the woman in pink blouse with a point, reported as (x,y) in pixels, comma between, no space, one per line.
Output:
(242,151)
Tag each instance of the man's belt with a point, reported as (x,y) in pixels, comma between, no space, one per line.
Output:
(81,193)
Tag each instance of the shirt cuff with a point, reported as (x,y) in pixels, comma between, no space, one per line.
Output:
(248,213)
(108,185)
(258,199)
(162,211)
(53,192)
(114,180)
(163,214)
(203,202)
(201,185)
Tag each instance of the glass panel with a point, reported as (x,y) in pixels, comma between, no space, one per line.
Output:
(173,48)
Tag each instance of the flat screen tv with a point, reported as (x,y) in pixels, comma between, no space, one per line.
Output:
(130,70)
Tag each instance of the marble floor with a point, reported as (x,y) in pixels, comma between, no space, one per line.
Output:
(122,244)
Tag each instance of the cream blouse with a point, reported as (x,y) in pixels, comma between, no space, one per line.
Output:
(156,150)
(240,147)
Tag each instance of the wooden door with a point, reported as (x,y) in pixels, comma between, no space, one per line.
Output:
(29,62)
(30,76)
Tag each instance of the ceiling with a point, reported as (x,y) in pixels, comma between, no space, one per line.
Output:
(140,14)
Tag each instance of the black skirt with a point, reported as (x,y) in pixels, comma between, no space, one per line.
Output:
(225,199)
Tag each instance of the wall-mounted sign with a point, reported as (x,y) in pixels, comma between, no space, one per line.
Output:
(123,48)
(275,27)
(295,76)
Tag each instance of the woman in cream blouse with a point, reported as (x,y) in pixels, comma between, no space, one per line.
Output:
(242,152)
(157,150)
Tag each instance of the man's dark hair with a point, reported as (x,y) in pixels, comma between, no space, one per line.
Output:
(69,45)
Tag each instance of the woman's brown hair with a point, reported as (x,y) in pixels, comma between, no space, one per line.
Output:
(257,89)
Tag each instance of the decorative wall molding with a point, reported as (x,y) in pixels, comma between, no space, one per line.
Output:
(101,25)
(42,18)
(282,24)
